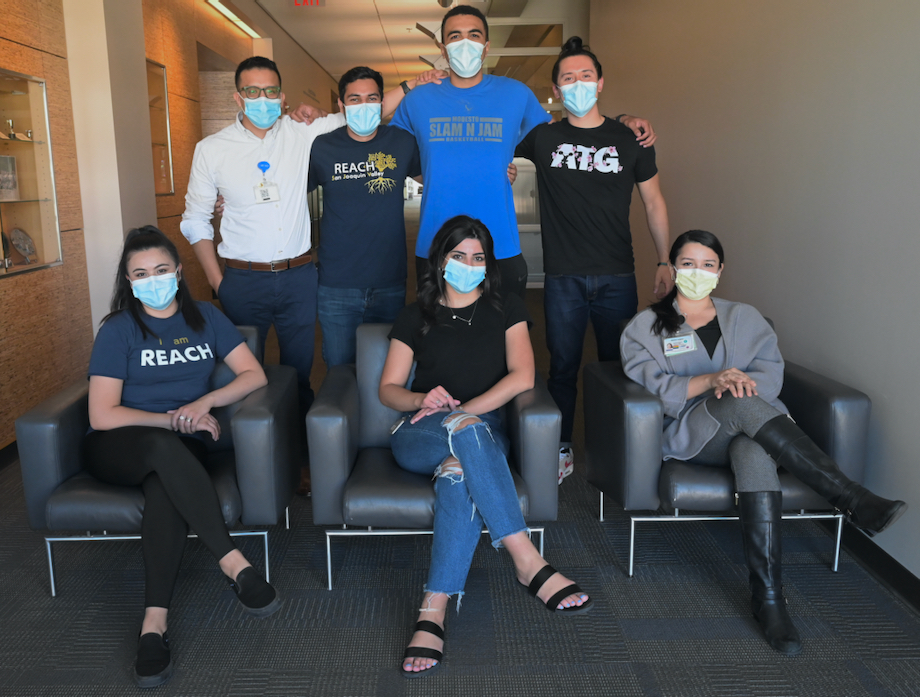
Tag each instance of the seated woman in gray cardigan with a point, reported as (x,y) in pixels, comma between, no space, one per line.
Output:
(717,369)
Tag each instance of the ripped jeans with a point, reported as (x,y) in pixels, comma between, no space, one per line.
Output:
(483,495)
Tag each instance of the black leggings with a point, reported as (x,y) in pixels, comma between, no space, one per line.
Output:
(178,494)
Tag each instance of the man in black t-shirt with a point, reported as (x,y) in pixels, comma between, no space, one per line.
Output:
(362,168)
(586,167)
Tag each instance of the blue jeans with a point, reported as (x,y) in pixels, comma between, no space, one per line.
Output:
(568,303)
(286,299)
(483,493)
(341,310)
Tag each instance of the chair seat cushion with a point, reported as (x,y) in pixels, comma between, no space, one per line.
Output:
(712,489)
(380,493)
(85,503)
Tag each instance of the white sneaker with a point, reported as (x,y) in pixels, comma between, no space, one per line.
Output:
(566,463)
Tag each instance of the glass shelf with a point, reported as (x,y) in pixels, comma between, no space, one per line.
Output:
(30,229)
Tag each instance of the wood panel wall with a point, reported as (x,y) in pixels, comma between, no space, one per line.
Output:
(172,30)
(47,329)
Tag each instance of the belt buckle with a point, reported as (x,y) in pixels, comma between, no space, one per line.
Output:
(280,268)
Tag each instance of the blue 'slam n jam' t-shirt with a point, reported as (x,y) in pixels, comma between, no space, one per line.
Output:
(168,370)
(467,139)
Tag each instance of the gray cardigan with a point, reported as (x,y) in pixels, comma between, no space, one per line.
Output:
(748,343)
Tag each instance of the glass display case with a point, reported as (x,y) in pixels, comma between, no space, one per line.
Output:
(29,225)
(158,101)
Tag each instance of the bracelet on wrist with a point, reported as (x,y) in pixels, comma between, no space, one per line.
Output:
(405,86)
(662,263)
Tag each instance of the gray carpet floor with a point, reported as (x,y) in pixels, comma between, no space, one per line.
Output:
(681,626)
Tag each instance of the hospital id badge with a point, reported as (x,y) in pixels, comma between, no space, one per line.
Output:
(676,345)
(266,192)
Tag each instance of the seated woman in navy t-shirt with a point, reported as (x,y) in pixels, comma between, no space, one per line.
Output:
(149,412)
(473,354)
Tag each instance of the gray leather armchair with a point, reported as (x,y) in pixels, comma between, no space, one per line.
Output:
(254,466)
(623,426)
(355,479)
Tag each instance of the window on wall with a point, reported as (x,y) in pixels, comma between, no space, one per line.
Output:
(159,129)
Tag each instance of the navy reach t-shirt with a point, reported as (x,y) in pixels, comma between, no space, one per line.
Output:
(168,370)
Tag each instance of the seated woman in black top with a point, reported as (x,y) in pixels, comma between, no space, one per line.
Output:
(473,355)
(149,411)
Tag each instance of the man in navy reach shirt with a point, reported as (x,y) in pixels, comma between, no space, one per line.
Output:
(362,168)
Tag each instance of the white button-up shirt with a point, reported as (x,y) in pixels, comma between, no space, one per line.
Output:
(227,163)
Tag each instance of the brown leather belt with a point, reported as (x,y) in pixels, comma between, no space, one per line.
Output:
(280,265)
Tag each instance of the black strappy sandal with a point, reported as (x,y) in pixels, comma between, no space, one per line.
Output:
(422,652)
(541,577)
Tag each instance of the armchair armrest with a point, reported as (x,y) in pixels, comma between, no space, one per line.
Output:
(266,447)
(623,423)
(50,438)
(834,415)
(332,436)
(534,423)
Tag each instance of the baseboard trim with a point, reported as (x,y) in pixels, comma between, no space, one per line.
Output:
(880,565)
(8,455)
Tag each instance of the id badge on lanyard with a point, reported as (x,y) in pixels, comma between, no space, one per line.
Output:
(678,344)
(266,191)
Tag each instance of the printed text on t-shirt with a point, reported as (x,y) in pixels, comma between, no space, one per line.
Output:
(587,158)
(466,129)
(152,358)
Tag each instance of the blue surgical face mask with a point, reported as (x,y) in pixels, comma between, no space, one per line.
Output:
(463,278)
(465,57)
(262,111)
(579,97)
(156,292)
(363,119)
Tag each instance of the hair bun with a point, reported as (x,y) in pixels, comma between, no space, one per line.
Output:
(573,44)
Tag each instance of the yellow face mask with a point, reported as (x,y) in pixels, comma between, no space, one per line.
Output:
(696,284)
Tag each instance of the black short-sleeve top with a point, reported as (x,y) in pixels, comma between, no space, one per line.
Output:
(464,359)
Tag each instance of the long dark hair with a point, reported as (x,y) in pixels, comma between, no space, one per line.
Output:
(668,320)
(433,287)
(575,47)
(139,240)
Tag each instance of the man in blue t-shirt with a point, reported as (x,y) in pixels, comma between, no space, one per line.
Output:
(362,168)
(467,129)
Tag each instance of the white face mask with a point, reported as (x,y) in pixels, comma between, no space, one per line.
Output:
(696,284)
(465,57)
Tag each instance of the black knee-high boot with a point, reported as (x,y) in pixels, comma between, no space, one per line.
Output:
(761,518)
(788,445)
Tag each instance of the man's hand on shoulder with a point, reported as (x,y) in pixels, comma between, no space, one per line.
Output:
(434,76)
(307,114)
(645,134)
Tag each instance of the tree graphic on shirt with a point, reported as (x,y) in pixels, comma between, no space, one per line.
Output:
(381,162)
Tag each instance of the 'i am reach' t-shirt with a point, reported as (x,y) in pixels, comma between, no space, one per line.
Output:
(168,370)
(467,139)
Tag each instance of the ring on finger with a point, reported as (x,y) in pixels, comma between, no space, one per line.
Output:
(181,418)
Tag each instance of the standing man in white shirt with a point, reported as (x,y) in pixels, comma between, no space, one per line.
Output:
(259,165)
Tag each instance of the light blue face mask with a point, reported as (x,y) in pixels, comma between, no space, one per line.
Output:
(579,97)
(156,292)
(263,112)
(463,278)
(363,119)
(465,57)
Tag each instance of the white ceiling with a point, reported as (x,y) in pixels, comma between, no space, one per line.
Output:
(382,34)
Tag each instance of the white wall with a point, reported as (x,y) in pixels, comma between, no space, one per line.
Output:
(108,87)
(789,130)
